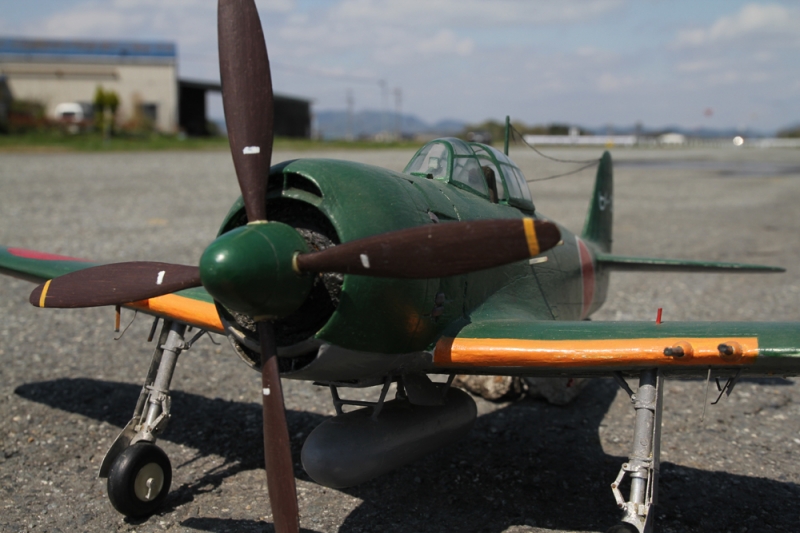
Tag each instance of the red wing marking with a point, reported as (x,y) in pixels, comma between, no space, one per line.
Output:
(33,254)
(587,277)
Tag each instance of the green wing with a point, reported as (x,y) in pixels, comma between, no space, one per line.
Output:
(37,267)
(531,347)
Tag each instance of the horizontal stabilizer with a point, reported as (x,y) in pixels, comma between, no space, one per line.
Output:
(651,264)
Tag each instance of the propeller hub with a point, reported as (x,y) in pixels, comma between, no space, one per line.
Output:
(249,270)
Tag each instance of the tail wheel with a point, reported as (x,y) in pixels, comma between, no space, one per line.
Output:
(139,480)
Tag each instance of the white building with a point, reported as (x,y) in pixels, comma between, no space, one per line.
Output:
(144,75)
(672,139)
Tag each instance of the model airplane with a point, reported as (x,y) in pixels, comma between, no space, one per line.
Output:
(350,275)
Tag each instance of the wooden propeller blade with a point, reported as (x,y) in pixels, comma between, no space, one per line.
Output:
(436,250)
(115,284)
(277,450)
(247,99)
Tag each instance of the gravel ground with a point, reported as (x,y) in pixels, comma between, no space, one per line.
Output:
(67,387)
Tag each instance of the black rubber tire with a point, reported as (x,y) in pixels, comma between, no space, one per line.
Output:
(153,464)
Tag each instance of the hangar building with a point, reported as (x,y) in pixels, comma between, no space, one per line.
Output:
(143,74)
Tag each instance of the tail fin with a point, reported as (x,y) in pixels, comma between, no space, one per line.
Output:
(600,217)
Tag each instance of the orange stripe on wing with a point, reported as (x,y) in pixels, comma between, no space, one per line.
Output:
(188,310)
(701,351)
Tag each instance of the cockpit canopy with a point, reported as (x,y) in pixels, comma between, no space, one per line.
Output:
(464,165)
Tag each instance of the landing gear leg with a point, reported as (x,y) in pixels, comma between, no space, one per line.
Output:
(643,464)
(139,472)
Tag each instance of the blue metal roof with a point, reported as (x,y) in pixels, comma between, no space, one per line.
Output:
(108,49)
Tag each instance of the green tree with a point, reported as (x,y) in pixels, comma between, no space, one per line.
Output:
(791,133)
(105,106)
(99,104)
(112,104)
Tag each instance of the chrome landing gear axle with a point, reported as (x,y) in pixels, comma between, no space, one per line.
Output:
(643,464)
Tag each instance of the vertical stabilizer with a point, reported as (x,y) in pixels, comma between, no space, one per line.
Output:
(600,217)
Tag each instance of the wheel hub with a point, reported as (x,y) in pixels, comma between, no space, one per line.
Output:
(149,482)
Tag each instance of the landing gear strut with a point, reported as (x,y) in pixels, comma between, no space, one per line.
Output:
(139,472)
(643,465)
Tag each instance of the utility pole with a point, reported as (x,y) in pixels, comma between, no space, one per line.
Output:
(398,113)
(385,107)
(349,135)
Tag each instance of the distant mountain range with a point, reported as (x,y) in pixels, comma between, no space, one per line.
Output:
(337,124)
(332,124)
(702,133)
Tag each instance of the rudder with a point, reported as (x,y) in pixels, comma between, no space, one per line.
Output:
(598,226)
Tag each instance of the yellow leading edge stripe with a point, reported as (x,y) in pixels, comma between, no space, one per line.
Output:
(530,235)
(587,353)
(44,293)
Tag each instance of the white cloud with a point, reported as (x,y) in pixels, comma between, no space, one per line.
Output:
(753,20)
(444,43)
(393,33)
(745,59)
(120,19)
(88,22)
(187,21)
(472,13)
(280,6)
(471,59)
(608,82)
(370,36)
(696,66)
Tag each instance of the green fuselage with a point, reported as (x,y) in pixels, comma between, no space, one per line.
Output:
(392,316)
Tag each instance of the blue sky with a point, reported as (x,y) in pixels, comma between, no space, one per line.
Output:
(588,62)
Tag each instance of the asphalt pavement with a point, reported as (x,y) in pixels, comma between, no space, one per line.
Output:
(67,386)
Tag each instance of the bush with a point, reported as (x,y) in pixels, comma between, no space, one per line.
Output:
(791,133)
(27,116)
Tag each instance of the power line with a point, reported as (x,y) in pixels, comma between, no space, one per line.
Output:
(522,138)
